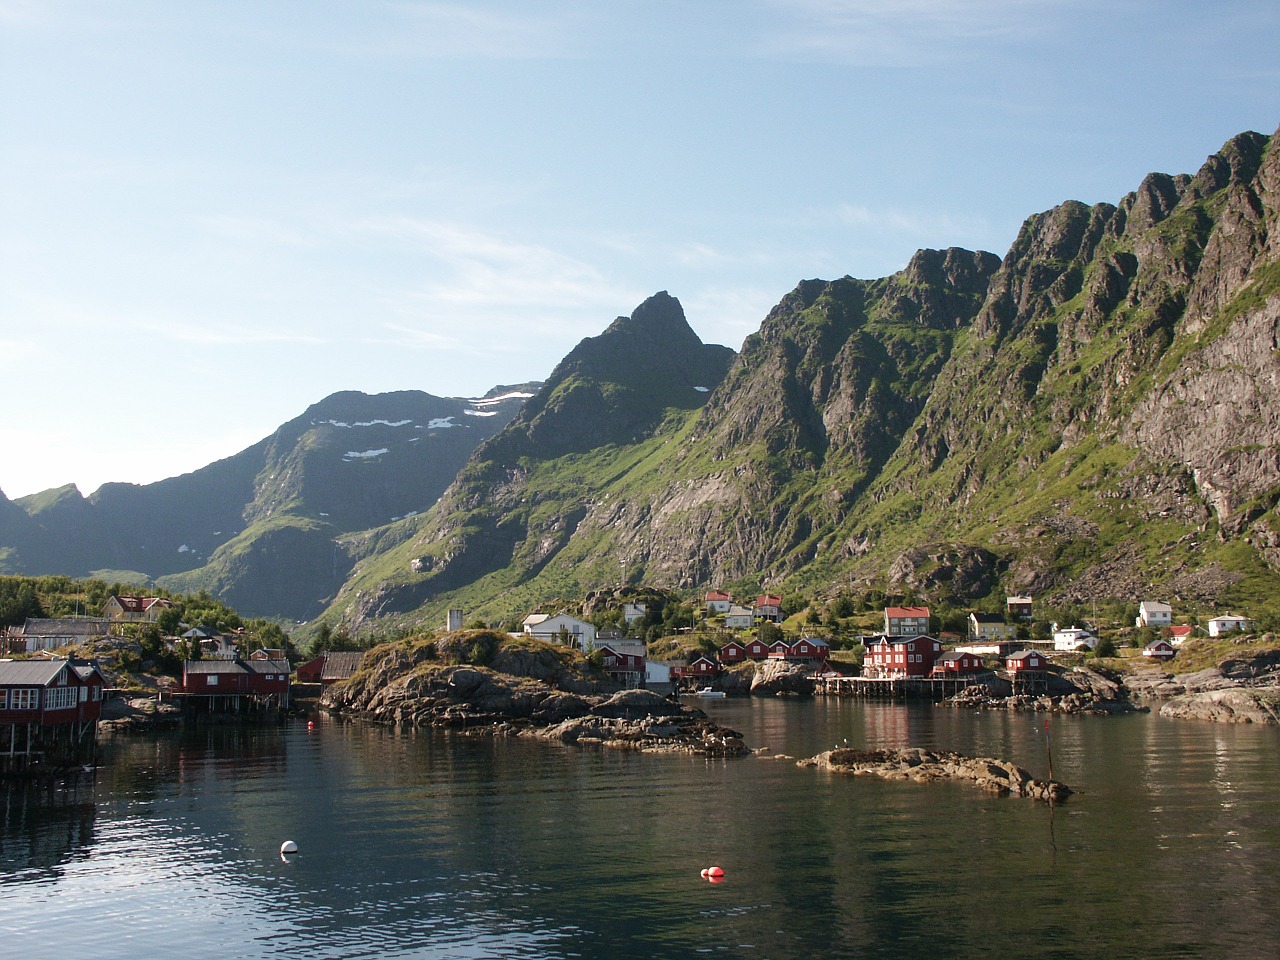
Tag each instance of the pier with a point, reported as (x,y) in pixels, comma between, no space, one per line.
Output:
(898,688)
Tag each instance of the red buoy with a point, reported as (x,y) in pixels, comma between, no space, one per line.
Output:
(714,872)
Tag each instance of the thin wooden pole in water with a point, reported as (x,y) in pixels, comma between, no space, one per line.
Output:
(1048,745)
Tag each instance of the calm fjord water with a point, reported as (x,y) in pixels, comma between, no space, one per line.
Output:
(427,844)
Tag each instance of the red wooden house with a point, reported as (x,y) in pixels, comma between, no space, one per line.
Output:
(810,648)
(49,710)
(955,663)
(779,650)
(704,666)
(757,650)
(896,657)
(1028,669)
(261,682)
(1159,650)
(626,668)
(732,652)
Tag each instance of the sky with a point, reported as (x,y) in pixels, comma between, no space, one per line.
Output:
(214,214)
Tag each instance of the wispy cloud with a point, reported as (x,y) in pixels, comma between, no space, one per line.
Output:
(458,30)
(901,32)
(484,269)
(911,223)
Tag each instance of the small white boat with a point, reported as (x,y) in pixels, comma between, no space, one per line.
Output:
(709,694)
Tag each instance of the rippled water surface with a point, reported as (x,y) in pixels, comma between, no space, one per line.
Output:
(426,844)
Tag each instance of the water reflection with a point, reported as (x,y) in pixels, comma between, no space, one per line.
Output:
(425,844)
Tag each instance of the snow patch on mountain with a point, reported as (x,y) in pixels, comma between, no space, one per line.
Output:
(363,423)
(506,396)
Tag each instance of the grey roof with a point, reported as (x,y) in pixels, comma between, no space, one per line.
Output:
(36,673)
(266,666)
(65,627)
(1024,654)
(87,668)
(213,666)
(341,664)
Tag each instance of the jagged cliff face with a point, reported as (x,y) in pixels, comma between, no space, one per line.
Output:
(1094,415)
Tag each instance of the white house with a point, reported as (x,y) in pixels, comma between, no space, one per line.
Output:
(561,628)
(739,618)
(1226,624)
(659,671)
(718,601)
(631,612)
(1153,613)
(1072,639)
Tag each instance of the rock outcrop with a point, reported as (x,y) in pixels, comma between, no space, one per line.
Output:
(924,766)
(1236,705)
(780,678)
(414,684)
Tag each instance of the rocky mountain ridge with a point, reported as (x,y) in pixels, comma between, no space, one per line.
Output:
(1093,415)
(258,529)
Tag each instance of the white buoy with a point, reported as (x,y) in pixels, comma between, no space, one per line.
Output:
(288,847)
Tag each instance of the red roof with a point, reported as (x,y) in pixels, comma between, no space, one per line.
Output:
(1180,631)
(899,613)
(716,596)
(768,600)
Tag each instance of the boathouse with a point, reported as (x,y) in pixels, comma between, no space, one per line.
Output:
(626,667)
(230,686)
(955,663)
(330,667)
(1028,670)
(704,666)
(49,711)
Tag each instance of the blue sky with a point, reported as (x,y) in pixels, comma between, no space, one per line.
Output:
(213,214)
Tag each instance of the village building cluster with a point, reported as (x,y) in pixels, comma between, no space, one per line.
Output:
(49,706)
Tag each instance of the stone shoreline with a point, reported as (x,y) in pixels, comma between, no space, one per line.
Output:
(924,766)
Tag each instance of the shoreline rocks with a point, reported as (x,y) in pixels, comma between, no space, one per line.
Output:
(481,700)
(924,766)
(1235,705)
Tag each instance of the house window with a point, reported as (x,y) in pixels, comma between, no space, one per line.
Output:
(4,699)
(211,680)
(25,698)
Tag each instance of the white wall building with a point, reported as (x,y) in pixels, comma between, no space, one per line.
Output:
(1153,613)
